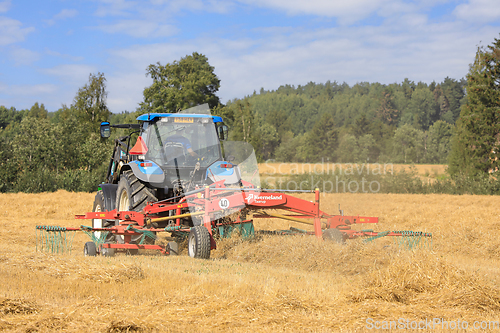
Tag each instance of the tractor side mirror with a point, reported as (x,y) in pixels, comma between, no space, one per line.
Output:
(105,130)
(223,132)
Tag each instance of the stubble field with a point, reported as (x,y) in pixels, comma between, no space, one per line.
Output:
(270,284)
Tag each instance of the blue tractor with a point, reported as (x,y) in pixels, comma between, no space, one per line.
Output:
(174,153)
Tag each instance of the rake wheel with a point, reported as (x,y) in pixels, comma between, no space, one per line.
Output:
(89,249)
(199,242)
(334,235)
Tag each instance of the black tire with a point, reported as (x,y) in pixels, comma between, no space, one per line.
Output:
(100,206)
(108,252)
(173,248)
(334,235)
(132,252)
(133,195)
(89,249)
(199,242)
(137,194)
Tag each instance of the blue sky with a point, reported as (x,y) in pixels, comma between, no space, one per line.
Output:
(49,48)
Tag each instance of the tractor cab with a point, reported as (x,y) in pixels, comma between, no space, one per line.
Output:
(174,152)
(180,140)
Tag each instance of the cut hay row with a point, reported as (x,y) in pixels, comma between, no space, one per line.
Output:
(271,283)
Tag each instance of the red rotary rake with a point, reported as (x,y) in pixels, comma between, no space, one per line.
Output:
(216,211)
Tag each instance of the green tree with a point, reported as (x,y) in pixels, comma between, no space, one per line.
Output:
(8,170)
(321,142)
(34,155)
(476,147)
(408,145)
(387,111)
(288,148)
(9,118)
(280,120)
(90,102)
(439,142)
(38,111)
(63,114)
(348,150)
(243,121)
(367,148)
(181,84)
(421,109)
(33,144)
(268,141)
(453,96)
(361,125)
(4,117)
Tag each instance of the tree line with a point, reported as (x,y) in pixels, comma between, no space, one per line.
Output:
(368,122)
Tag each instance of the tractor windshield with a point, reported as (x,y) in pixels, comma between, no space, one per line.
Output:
(182,141)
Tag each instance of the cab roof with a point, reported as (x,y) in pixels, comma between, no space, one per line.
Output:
(156,116)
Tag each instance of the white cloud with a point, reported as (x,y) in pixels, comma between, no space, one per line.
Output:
(375,54)
(23,96)
(147,20)
(30,90)
(63,56)
(65,14)
(58,87)
(23,57)
(126,83)
(212,6)
(140,28)
(479,11)
(346,11)
(219,6)
(11,31)
(62,15)
(5,6)
(179,4)
(138,57)
(71,74)
(125,90)
(115,8)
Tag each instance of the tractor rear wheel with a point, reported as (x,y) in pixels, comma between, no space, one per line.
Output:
(132,195)
(199,242)
(334,235)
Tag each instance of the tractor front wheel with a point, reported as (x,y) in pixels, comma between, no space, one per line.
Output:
(199,242)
